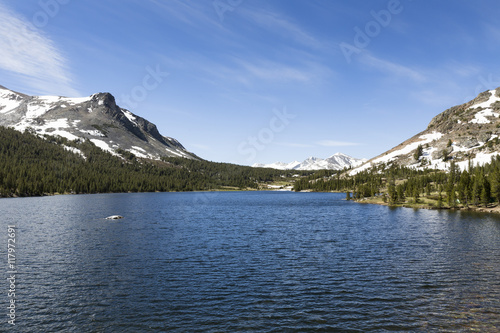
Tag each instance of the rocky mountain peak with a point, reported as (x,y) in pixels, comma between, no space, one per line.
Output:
(469,131)
(96,118)
(104,99)
(465,113)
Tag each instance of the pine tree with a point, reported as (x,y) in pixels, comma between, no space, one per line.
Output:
(446,155)
(463,188)
(495,185)
(485,193)
(416,194)
(391,190)
(475,191)
(418,153)
(450,193)
(400,193)
(453,199)
(440,201)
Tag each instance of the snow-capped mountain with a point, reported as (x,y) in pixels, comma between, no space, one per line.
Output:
(337,161)
(464,132)
(96,118)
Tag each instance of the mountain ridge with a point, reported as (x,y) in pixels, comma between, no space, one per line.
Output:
(465,133)
(337,161)
(96,118)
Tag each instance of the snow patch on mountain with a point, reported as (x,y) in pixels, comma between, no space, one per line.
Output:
(388,157)
(138,153)
(93,133)
(96,118)
(279,165)
(104,146)
(337,161)
(130,117)
(9,100)
(485,110)
(75,151)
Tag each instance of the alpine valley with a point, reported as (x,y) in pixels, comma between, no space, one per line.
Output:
(454,163)
(51,144)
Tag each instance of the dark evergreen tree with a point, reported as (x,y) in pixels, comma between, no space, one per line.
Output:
(391,191)
(418,153)
(464,192)
(485,193)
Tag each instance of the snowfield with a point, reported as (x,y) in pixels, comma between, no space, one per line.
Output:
(104,146)
(130,117)
(8,101)
(426,138)
(93,133)
(337,161)
(480,117)
(75,151)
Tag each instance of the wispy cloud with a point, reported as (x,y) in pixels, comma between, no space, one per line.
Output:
(251,71)
(282,26)
(296,61)
(31,56)
(273,71)
(462,69)
(192,13)
(391,68)
(294,145)
(493,32)
(333,143)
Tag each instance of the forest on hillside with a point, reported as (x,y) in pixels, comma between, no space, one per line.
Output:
(34,166)
(396,185)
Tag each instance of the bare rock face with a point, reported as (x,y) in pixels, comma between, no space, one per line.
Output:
(96,118)
(468,142)
(439,153)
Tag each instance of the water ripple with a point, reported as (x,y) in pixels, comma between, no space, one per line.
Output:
(251,262)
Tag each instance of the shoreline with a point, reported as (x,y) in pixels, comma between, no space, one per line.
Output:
(494,209)
(226,189)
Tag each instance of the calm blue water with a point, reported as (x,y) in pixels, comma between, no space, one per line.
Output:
(248,262)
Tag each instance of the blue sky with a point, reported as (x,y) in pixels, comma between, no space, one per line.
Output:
(251,81)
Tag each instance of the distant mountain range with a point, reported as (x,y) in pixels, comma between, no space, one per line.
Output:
(466,133)
(337,161)
(96,118)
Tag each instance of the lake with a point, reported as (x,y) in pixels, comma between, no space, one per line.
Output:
(247,262)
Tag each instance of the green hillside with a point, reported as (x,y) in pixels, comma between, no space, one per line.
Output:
(34,166)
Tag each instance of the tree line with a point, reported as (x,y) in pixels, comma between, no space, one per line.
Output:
(475,186)
(34,166)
